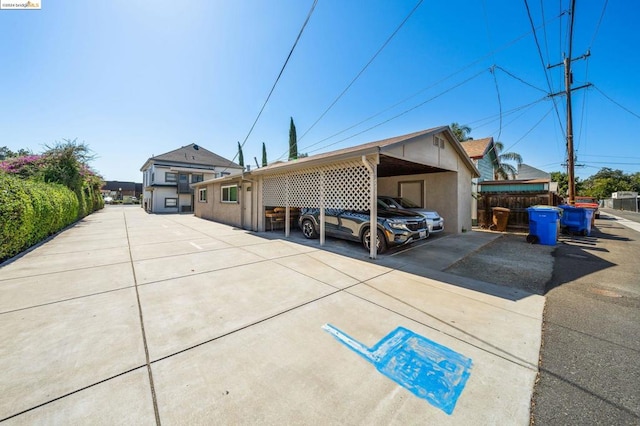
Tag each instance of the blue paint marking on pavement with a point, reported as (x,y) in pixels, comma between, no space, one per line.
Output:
(427,369)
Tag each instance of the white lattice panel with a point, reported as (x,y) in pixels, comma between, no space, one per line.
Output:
(344,186)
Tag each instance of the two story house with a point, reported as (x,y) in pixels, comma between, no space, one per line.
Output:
(483,155)
(166,178)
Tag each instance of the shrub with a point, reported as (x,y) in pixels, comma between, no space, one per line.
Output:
(30,211)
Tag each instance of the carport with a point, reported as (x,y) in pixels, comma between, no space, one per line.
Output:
(351,178)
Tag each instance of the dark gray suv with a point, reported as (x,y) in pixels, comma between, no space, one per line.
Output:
(395,226)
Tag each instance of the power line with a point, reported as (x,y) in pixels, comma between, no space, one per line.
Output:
(530,130)
(544,69)
(492,118)
(519,79)
(617,163)
(495,80)
(313,6)
(604,8)
(404,112)
(621,106)
(611,156)
(464,68)
(362,70)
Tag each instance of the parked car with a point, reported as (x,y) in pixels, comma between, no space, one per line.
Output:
(395,226)
(108,200)
(434,220)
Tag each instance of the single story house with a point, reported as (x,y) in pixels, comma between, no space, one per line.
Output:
(430,167)
(118,189)
(166,178)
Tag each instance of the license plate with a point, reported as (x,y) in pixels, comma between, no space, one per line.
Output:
(423,234)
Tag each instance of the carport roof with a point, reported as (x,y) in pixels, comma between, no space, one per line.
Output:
(389,165)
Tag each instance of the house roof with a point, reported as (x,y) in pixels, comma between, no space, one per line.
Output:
(388,164)
(192,155)
(527,172)
(477,148)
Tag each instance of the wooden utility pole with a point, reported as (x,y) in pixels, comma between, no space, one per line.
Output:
(568,80)
(570,151)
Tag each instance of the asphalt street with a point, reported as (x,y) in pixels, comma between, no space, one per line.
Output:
(590,356)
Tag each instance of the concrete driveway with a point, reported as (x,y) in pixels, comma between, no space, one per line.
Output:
(130,318)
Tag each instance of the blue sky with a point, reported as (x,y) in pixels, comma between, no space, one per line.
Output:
(134,79)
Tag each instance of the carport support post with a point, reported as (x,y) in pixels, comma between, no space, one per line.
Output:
(287,215)
(321,208)
(373,206)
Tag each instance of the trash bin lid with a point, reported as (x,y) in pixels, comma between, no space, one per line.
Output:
(501,209)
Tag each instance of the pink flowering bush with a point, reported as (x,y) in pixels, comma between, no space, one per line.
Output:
(41,194)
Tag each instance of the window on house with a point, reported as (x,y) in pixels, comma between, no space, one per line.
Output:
(230,194)
(202,195)
(153,177)
(170,202)
(170,177)
(197,178)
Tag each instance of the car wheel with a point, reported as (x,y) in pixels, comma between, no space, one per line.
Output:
(308,230)
(381,242)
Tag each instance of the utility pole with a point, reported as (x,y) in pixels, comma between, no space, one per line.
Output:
(568,80)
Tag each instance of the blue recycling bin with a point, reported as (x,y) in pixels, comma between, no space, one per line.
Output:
(576,220)
(543,225)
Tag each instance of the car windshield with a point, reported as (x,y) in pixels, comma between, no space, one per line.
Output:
(382,205)
(405,203)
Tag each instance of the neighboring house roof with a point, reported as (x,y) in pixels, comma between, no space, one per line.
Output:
(527,172)
(115,185)
(369,148)
(477,148)
(191,155)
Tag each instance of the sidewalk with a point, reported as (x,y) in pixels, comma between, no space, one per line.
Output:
(139,319)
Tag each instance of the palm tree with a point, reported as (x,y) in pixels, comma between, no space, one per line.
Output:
(506,171)
(461,132)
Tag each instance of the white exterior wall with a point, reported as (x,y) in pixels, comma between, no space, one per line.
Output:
(155,194)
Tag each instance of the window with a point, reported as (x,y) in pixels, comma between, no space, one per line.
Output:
(171,202)
(230,194)
(197,178)
(170,177)
(202,195)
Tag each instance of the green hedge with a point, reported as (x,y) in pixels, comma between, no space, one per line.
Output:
(30,211)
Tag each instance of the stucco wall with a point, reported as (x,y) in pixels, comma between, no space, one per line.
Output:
(440,193)
(215,209)
(424,150)
(465,198)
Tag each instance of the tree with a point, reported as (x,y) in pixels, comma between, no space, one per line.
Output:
(461,132)
(240,155)
(563,183)
(293,141)
(607,181)
(6,153)
(264,155)
(505,170)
